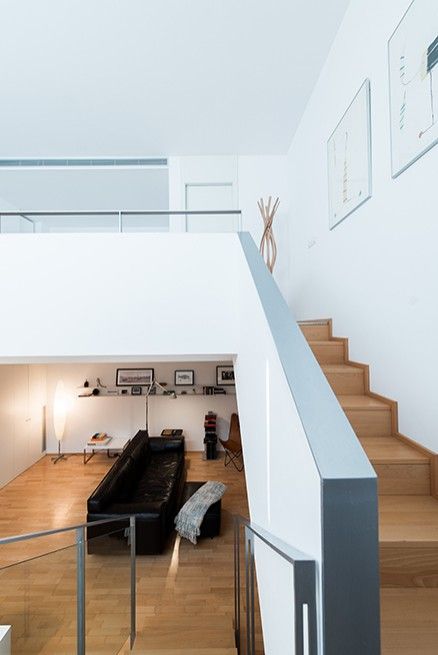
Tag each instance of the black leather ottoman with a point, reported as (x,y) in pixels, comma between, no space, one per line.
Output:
(211,525)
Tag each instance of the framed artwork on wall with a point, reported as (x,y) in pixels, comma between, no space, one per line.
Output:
(133,377)
(413,84)
(225,376)
(349,158)
(184,378)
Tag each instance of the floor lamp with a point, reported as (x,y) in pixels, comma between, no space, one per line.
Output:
(154,386)
(59,417)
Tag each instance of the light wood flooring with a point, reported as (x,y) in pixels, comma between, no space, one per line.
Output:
(185,597)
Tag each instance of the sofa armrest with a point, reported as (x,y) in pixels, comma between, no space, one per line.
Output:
(161,444)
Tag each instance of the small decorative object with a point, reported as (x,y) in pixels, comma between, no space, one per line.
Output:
(132,377)
(99,384)
(86,383)
(413,84)
(349,158)
(184,378)
(136,390)
(224,376)
(124,392)
(268,247)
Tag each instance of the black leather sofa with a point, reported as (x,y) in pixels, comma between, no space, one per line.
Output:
(146,480)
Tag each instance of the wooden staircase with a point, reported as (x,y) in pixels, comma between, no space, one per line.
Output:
(408,505)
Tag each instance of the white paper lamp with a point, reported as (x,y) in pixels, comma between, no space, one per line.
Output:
(59,417)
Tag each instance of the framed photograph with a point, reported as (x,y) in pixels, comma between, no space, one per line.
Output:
(349,158)
(136,391)
(184,378)
(133,377)
(413,84)
(224,376)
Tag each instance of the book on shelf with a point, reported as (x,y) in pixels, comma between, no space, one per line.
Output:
(99,439)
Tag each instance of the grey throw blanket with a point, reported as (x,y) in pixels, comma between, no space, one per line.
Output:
(189,519)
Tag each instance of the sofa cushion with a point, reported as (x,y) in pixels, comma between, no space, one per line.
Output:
(158,479)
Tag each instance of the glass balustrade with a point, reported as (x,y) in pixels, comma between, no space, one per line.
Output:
(74,598)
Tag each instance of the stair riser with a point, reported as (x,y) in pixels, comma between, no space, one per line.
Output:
(332,353)
(347,383)
(408,567)
(370,423)
(316,332)
(402,479)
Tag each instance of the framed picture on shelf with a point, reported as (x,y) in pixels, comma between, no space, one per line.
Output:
(134,377)
(184,378)
(225,376)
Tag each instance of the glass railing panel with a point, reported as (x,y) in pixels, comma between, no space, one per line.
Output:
(77,593)
(38,601)
(81,223)
(227,221)
(145,223)
(108,590)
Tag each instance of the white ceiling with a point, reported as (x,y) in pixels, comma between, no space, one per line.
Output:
(158,77)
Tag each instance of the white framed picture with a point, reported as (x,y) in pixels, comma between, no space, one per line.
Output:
(349,158)
(413,84)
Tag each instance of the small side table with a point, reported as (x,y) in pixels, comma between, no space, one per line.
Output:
(114,446)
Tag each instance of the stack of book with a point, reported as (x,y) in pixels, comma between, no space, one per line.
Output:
(99,439)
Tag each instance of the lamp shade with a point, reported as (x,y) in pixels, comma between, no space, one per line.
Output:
(59,410)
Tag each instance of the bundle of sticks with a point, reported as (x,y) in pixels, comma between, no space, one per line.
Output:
(268,247)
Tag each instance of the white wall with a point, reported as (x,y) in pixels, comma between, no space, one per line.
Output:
(22,418)
(283,481)
(376,273)
(128,297)
(252,177)
(122,416)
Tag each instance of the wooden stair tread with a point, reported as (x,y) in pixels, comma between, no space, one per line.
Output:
(362,402)
(408,520)
(340,368)
(390,450)
(409,621)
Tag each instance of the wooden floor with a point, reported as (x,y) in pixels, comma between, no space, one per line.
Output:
(185,597)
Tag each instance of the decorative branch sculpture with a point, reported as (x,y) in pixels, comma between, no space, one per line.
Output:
(268,247)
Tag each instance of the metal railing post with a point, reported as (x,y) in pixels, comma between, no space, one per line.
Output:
(133,581)
(237,590)
(80,591)
(249,580)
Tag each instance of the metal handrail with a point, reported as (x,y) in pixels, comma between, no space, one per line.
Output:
(116,212)
(304,587)
(47,533)
(121,213)
(80,570)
